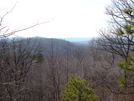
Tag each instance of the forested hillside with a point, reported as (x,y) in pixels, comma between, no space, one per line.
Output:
(38,68)
(48,69)
(53,44)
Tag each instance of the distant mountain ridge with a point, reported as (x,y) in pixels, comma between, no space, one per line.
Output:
(79,41)
(57,45)
(54,45)
(49,45)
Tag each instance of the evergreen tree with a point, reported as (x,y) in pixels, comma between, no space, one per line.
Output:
(39,58)
(127,30)
(77,90)
(119,36)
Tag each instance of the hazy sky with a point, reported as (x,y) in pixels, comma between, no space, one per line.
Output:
(72,18)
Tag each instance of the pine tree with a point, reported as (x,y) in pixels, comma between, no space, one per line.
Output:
(77,90)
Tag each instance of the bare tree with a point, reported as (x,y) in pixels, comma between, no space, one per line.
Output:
(118,38)
(5,29)
(17,58)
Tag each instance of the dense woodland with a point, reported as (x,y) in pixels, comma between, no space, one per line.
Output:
(37,69)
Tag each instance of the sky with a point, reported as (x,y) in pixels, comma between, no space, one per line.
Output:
(64,18)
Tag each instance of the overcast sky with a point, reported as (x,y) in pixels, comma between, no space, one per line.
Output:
(72,18)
